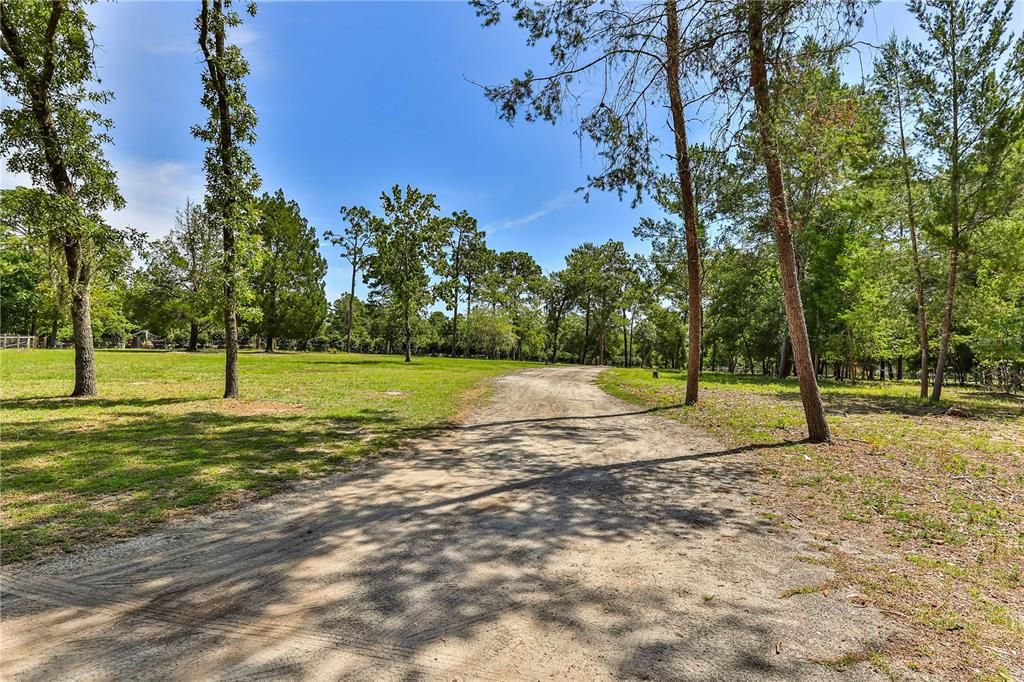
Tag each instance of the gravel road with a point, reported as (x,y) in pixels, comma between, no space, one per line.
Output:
(557,534)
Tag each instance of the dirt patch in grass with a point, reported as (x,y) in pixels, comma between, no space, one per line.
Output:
(237,408)
(923,512)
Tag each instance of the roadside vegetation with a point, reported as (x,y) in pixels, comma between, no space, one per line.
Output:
(921,512)
(160,444)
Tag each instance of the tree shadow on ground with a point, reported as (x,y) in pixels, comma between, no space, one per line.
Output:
(68,481)
(395,573)
(869,397)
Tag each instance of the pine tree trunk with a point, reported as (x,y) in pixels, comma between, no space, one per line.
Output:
(814,410)
(625,345)
(586,334)
(947,325)
(469,309)
(455,322)
(351,301)
(683,172)
(922,322)
(954,225)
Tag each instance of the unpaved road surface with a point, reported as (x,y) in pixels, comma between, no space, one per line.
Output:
(558,534)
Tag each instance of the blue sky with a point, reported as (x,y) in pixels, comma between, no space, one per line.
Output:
(352,98)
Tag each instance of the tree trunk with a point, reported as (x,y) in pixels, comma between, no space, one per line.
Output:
(554,341)
(954,225)
(922,323)
(226,206)
(682,150)
(51,341)
(408,337)
(947,324)
(586,334)
(784,359)
(455,321)
(625,345)
(351,301)
(814,410)
(269,347)
(81,319)
(899,369)
(193,336)
(230,317)
(85,359)
(76,259)
(469,308)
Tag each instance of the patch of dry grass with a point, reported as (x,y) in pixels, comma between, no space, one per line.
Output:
(923,512)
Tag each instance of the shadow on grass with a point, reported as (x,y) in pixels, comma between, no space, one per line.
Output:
(66,403)
(67,482)
(873,397)
(388,569)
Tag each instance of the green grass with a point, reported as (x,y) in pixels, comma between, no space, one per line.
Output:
(922,511)
(160,443)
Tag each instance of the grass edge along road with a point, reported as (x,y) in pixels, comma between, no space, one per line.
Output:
(922,513)
(160,444)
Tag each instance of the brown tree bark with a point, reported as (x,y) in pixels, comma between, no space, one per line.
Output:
(408,336)
(351,300)
(79,270)
(215,67)
(947,318)
(193,336)
(922,323)
(469,309)
(455,322)
(81,321)
(954,225)
(683,171)
(586,333)
(814,410)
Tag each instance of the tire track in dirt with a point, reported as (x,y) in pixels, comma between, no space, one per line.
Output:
(558,532)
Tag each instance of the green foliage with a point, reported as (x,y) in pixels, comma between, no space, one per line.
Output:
(47,68)
(490,332)
(180,282)
(405,242)
(288,283)
(22,276)
(231,178)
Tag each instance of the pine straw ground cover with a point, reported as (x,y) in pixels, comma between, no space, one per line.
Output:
(922,513)
(159,443)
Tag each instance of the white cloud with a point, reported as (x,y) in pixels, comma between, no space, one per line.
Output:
(559,202)
(9,180)
(242,36)
(153,191)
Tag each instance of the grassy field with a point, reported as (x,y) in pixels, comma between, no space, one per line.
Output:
(922,513)
(159,443)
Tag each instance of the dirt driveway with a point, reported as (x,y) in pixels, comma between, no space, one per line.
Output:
(558,534)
